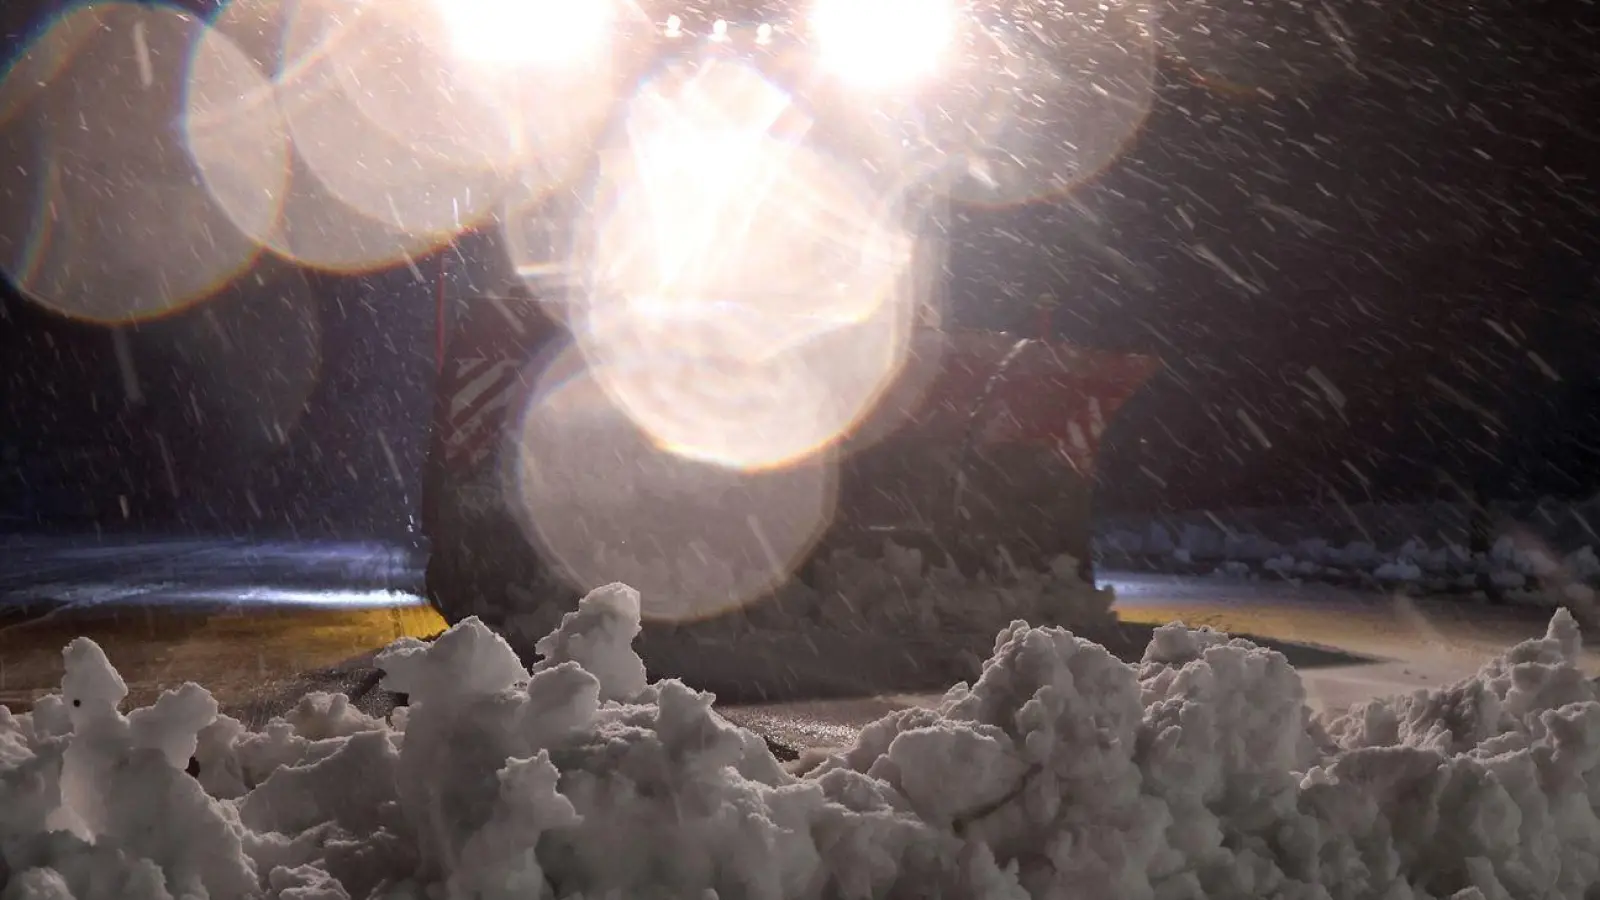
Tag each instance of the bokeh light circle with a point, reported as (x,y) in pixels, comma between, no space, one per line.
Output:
(1054,97)
(312,225)
(110,220)
(602,502)
(236,135)
(41,59)
(743,298)
(421,167)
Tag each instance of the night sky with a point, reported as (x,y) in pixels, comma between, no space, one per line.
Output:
(1418,225)
(1398,201)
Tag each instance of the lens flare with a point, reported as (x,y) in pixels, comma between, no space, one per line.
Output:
(743,298)
(1046,104)
(539,33)
(374,140)
(41,60)
(236,136)
(883,44)
(340,55)
(1024,108)
(310,226)
(604,502)
(114,223)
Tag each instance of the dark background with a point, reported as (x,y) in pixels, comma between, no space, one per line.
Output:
(274,410)
(1407,200)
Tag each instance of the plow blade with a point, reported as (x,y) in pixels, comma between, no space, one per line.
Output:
(983,453)
(953,506)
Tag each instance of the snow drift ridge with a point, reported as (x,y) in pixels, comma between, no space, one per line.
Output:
(1060,773)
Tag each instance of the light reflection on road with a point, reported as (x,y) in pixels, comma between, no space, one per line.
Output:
(51,573)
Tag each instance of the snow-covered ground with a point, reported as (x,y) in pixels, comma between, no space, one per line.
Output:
(1542,553)
(1060,772)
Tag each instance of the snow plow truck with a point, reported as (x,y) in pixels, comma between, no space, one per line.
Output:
(976,458)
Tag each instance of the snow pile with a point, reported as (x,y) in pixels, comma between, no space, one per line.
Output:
(1528,573)
(1061,772)
(900,592)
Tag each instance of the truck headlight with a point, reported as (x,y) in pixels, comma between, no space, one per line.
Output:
(528,32)
(883,44)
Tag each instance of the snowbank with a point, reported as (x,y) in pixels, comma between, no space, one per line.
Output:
(899,592)
(1061,772)
(1524,567)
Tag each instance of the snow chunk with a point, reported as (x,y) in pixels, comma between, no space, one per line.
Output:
(478,662)
(173,725)
(599,636)
(90,682)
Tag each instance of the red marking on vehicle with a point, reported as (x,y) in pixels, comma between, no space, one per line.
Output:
(472,445)
(469,370)
(497,391)
(484,391)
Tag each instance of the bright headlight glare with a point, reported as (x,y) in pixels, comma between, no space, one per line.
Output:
(883,43)
(527,32)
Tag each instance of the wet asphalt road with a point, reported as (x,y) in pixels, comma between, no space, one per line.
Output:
(259,623)
(247,619)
